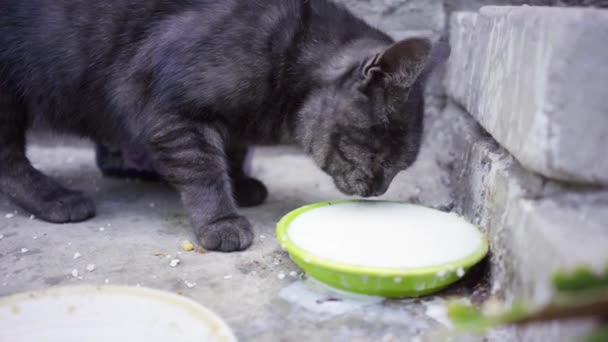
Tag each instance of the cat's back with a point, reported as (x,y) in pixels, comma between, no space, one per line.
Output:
(61,39)
(49,46)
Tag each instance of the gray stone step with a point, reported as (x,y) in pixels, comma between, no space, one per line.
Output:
(535,226)
(536,78)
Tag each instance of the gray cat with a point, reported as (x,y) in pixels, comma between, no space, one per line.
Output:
(190,83)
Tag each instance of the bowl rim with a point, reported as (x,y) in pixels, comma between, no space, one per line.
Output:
(312,259)
(201,312)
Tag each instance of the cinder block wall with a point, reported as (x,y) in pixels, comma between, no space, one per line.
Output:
(528,86)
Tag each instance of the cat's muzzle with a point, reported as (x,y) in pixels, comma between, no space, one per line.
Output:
(358,184)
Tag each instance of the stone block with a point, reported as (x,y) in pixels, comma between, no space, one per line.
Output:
(558,232)
(535,79)
(535,227)
(460,5)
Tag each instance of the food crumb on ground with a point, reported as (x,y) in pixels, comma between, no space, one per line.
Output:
(281,275)
(189,284)
(77,255)
(293,274)
(174,262)
(101,229)
(187,246)
(75,273)
(228,276)
(24,250)
(90,267)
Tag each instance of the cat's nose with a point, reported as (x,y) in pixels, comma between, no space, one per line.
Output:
(380,185)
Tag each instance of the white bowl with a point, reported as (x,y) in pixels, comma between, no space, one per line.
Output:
(107,314)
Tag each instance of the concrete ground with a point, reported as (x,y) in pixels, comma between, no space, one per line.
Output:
(260,293)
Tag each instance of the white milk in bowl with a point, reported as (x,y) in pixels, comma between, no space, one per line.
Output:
(384,235)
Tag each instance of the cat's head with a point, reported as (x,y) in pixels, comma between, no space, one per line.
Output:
(364,124)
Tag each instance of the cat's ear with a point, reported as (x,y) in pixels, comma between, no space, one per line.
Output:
(400,64)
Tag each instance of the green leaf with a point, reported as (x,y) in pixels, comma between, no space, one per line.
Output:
(518,311)
(467,318)
(582,278)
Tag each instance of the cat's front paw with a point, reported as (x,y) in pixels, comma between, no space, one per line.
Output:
(63,206)
(226,235)
(249,192)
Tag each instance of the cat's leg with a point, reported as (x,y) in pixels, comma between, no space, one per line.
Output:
(26,186)
(247,191)
(125,162)
(192,157)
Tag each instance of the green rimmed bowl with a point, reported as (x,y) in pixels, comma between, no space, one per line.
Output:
(377,281)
